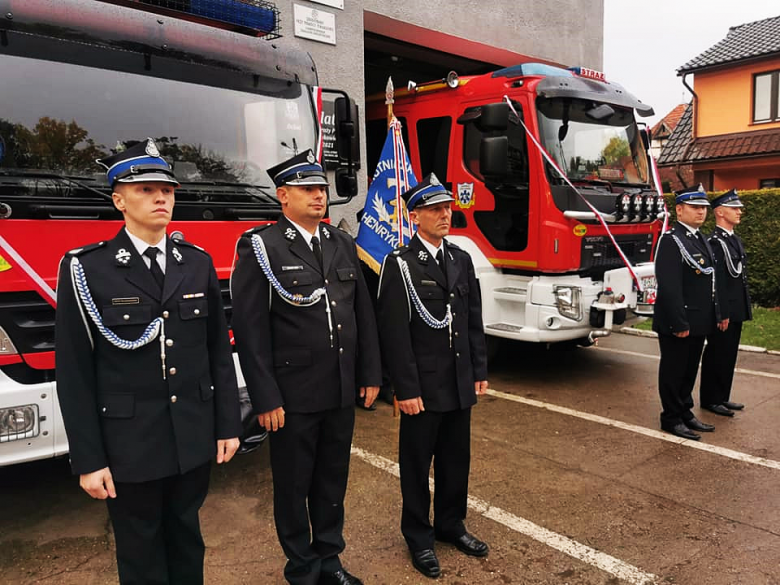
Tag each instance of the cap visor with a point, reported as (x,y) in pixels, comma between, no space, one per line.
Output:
(149,178)
(699,202)
(440,198)
(307,181)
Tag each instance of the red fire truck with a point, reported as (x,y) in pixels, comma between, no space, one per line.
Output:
(81,77)
(547,266)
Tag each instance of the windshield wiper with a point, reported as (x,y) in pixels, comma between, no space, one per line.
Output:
(64,178)
(247,186)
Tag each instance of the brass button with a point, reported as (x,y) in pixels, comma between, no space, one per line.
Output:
(338,326)
(169,342)
(456,334)
(452,295)
(165,314)
(173,398)
(351,275)
(126,317)
(295,282)
(341,350)
(172,371)
(197,311)
(333,303)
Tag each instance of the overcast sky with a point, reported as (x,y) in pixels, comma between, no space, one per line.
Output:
(646,42)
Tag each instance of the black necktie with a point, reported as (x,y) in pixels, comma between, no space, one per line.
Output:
(151,253)
(440,260)
(315,247)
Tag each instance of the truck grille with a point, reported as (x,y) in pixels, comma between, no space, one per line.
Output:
(598,252)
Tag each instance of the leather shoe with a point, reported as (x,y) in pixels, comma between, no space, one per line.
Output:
(733,405)
(426,562)
(681,431)
(468,544)
(696,425)
(718,409)
(340,577)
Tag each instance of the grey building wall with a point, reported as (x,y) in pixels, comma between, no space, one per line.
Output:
(565,31)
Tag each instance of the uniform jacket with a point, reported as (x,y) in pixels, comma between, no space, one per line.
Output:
(286,353)
(118,410)
(686,300)
(733,295)
(419,357)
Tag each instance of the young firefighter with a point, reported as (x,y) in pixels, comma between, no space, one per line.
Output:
(145,375)
(720,354)
(430,323)
(306,337)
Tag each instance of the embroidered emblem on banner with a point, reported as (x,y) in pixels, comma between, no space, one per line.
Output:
(465,195)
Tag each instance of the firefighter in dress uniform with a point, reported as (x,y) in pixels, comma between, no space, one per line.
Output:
(145,375)
(720,354)
(685,311)
(306,336)
(430,324)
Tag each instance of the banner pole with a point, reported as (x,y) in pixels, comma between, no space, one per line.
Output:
(389,101)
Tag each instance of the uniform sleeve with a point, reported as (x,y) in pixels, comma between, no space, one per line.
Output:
(369,371)
(223,373)
(669,276)
(476,326)
(76,381)
(252,329)
(394,331)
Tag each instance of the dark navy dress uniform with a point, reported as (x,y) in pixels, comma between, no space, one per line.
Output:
(685,301)
(156,434)
(441,367)
(311,360)
(720,354)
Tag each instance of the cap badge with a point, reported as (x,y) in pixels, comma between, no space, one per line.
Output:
(176,254)
(151,148)
(434,180)
(290,233)
(310,158)
(422,255)
(123,257)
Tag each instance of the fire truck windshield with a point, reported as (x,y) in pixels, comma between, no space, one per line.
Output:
(59,117)
(593,142)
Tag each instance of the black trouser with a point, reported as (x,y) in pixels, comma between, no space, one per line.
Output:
(310,464)
(445,438)
(157,531)
(718,363)
(677,375)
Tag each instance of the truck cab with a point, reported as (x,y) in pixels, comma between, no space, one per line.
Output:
(542,246)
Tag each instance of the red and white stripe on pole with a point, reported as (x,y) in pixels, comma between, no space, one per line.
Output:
(401,176)
(596,212)
(316,93)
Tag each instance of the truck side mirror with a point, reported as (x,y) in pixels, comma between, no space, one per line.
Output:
(348,136)
(494,157)
(494,117)
(346,184)
(647,137)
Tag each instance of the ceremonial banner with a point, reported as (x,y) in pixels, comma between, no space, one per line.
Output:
(385,224)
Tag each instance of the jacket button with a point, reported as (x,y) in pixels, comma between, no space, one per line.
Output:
(351,275)
(457,355)
(452,295)
(454,315)
(126,317)
(169,342)
(197,311)
(456,334)
(341,350)
(173,398)
(295,282)
(165,314)
(104,409)
(338,326)
(333,303)
(172,371)
(326,281)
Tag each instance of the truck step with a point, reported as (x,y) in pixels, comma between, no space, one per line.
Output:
(510,290)
(505,327)
(513,294)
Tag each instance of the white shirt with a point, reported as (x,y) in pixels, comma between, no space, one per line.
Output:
(305,233)
(141,246)
(693,231)
(430,247)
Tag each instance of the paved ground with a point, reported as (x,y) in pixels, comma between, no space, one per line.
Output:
(570,484)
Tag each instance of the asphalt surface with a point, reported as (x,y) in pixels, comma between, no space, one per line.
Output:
(571,483)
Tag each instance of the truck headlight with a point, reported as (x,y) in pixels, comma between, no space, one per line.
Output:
(567,301)
(18,422)
(636,202)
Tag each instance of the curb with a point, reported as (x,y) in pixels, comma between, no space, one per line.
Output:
(653,334)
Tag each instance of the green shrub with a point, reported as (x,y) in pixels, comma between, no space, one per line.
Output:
(760,231)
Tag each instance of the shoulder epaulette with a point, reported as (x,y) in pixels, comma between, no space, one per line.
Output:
(85,249)
(189,245)
(400,250)
(454,246)
(256,230)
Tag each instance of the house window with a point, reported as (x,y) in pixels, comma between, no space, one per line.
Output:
(769,184)
(766,98)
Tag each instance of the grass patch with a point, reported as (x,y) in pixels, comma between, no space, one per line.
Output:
(762,331)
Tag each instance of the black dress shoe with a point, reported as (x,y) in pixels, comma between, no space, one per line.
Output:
(340,577)
(469,545)
(426,562)
(681,431)
(696,425)
(733,405)
(718,409)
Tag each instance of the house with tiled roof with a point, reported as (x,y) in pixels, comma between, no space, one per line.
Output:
(729,136)
(661,132)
